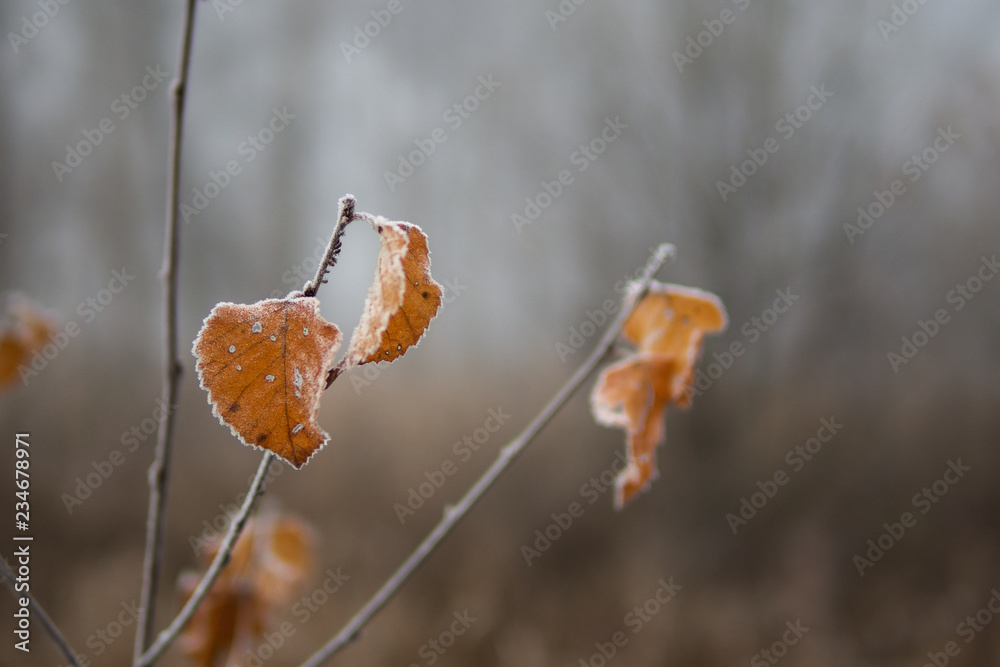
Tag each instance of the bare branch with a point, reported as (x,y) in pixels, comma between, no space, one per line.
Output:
(159,472)
(455,513)
(36,608)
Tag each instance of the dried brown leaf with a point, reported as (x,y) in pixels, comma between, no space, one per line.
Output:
(263,366)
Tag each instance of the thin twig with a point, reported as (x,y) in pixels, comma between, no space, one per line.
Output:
(170,633)
(159,472)
(508,453)
(345,215)
(36,608)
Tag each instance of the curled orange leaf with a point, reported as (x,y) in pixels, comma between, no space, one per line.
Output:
(633,394)
(667,326)
(401,302)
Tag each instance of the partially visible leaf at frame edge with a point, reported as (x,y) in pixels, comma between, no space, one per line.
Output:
(26,330)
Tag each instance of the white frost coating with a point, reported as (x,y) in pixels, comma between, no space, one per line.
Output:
(385,296)
(298,427)
(613,414)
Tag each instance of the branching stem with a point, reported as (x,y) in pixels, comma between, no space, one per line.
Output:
(169,634)
(508,453)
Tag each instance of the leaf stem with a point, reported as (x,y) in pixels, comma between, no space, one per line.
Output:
(508,453)
(159,472)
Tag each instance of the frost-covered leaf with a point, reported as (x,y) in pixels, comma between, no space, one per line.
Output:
(263,366)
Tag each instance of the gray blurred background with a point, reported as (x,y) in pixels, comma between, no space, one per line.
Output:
(896,78)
